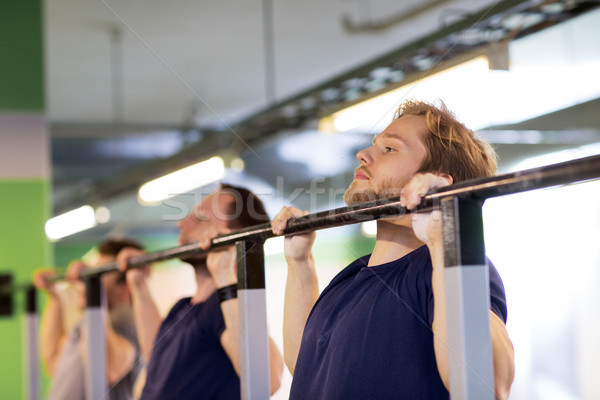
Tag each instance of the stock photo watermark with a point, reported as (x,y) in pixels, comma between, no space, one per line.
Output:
(317,196)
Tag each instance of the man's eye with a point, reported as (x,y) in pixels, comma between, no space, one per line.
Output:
(388,149)
(200,216)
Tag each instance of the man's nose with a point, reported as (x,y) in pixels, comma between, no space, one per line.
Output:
(364,156)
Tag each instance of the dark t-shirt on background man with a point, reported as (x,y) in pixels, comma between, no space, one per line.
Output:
(187,359)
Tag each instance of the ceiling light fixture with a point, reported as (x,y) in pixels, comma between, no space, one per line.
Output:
(102,215)
(237,164)
(454,85)
(479,96)
(70,222)
(182,181)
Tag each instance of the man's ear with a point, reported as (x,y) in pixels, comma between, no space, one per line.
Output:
(448,177)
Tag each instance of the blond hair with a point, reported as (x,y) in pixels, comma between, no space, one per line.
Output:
(452,148)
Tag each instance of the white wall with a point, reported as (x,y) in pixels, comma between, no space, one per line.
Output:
(546,246)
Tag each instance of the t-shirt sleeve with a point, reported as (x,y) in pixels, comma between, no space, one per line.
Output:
(217,323)
(123,323)
(497,294)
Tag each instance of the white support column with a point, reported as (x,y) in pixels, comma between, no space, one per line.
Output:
(96,381)
(467,301)
(31,345)
(254,337)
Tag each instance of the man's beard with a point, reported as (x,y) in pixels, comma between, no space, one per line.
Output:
(196,260)
(386,189)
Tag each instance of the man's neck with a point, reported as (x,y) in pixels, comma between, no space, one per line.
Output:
(119,296)
(205,285)
(393,242)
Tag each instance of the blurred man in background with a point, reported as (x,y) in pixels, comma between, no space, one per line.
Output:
(194,352)
(64,354)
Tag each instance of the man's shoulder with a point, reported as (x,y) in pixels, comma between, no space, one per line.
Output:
(179,307)
(350,270)
(193,313)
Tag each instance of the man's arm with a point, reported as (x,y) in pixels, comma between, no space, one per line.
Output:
(221,265)
(145,313)
(428,228)
(52,334)
(502,349)
(120,352)
(302,286)
(230,340)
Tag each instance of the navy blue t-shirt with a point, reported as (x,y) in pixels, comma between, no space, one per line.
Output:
(188,360)
(369,334)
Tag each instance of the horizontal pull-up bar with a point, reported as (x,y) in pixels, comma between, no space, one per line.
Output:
(7,287)
(552,175)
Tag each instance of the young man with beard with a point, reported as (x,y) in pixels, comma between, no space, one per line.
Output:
(194,352)
(64,354)
(378,331)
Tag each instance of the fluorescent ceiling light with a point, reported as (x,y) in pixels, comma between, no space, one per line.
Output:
(102,215)
(70,222)
(182,181)
(375,114)
(237,164)
(479,96)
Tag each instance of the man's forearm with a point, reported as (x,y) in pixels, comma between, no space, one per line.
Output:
(230,340)
(301,293)
(275,366)
(147,318)
(439,325)
(120,354)
(504,357)
(502,351)
(51,334)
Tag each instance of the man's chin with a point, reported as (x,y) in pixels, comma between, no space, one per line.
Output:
(194,259)
(354,196)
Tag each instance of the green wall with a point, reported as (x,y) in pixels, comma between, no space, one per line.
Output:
(23,191)
(23,248)
(21,56)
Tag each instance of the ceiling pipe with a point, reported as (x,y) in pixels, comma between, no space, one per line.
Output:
(368,27)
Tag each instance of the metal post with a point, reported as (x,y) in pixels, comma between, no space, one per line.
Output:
(466,278)
(6,293)
(254,346)
(95,383)
(31,344)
